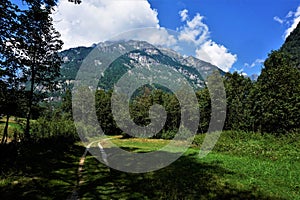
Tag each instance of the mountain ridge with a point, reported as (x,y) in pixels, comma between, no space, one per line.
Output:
(136,53)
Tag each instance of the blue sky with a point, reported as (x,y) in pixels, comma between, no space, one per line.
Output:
(246,27)
(237,34)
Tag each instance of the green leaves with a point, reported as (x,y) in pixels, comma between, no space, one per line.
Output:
(238,89)
(277,93)
(292,46)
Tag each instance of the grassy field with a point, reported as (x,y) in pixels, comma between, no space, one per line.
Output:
(242,166)
(13,127)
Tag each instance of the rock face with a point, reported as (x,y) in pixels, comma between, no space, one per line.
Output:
(136,54)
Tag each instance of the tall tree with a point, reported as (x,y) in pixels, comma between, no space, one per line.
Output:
(277,94)
(9,61)
(40,44)
(238,89)
(204,108)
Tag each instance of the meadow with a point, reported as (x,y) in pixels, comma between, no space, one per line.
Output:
(241,166)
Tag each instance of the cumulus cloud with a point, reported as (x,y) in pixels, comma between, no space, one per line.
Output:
(277,19)
(294,22)
(94,21)
(98,20)
(195,31)
(183,14)
(216,54)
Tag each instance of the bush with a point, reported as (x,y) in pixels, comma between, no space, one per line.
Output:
(168,135)
(55,127)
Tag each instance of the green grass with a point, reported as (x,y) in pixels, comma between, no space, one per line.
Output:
(11,122)
(13,127)
(43,170)
(145,145)
(262,146)
(264,165)
(241,166)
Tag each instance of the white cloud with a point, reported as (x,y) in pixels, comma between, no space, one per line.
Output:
(97,20)
(94,21)
(216,54)
(194,30)
(290,14)
(155,36)
(295,21)
(244,74)
(183,14)
(257,62)
(246,65)
(238,70)
(277,19)
(241,72)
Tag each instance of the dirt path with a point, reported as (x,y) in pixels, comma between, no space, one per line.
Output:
(74,195)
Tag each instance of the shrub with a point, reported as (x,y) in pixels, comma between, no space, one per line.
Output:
(55,127)
(169,134)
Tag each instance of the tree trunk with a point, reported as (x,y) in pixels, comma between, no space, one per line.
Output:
(30,99)
(5,133)
(27,129)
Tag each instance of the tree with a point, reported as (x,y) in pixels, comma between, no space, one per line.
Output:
(39,44)
(238,89)
(9,61)
(277,94)
(205,109)
(66,106)
(292,46)
(104,113)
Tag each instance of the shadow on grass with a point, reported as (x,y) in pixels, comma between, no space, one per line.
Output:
(48,170)
(187,178)
(39,170)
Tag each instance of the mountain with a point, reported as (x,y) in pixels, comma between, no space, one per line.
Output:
(292,45)
(136,54)
(72,60)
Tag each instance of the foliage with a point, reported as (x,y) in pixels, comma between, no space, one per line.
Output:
(167,135)
(54,127)
(104,114)
(237,89)
(291,46)
(29,46)
(39,43)
(205,109)
(277,96)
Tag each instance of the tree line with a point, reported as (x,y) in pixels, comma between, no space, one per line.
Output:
(269,105)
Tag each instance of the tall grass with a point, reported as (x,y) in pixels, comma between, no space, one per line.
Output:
(263,146)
